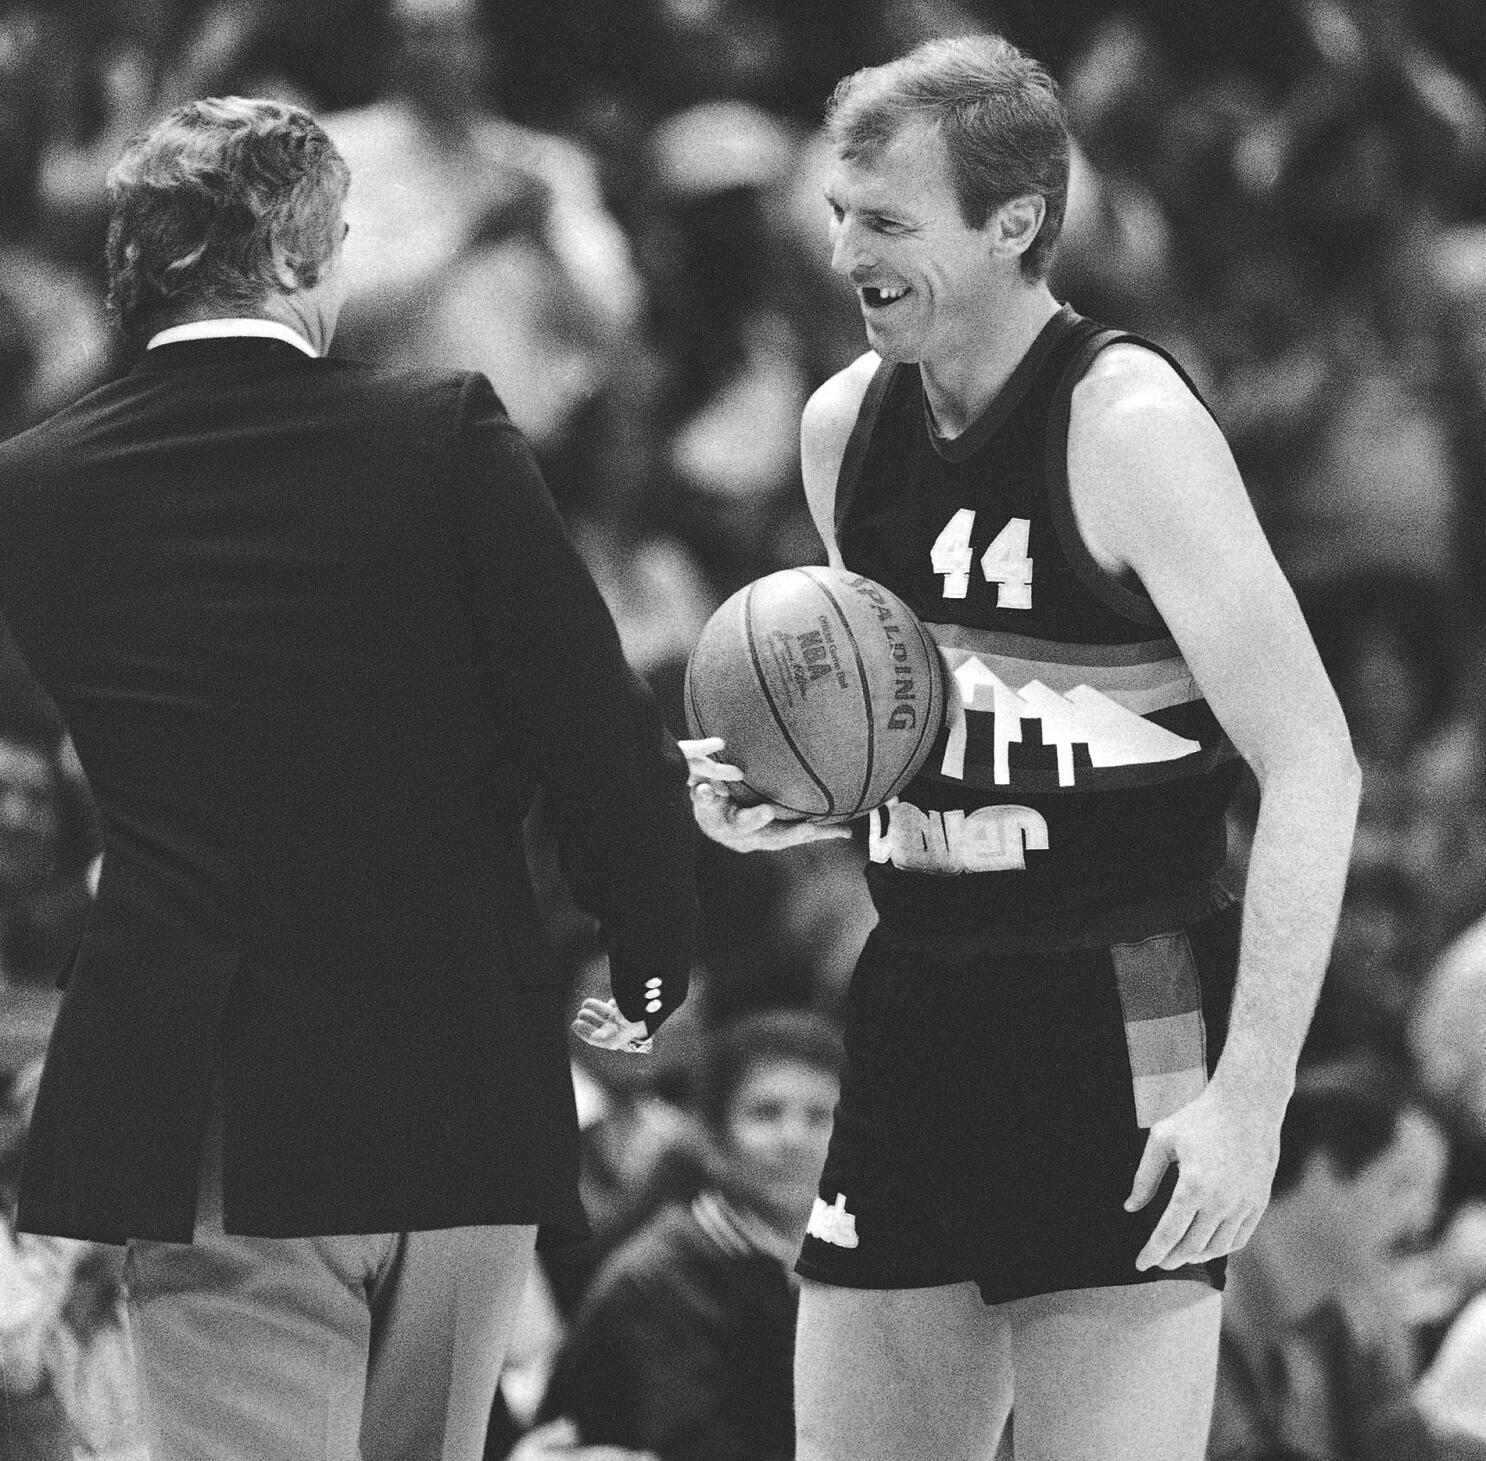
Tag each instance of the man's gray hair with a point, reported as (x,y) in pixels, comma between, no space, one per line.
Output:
(198,203)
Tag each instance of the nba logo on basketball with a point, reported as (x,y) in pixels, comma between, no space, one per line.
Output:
(815,655)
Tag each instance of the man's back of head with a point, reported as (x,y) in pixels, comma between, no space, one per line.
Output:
(224,207)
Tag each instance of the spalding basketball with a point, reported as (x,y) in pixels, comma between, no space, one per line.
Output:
(825,686)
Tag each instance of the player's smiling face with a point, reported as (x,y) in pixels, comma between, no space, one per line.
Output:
(923,277)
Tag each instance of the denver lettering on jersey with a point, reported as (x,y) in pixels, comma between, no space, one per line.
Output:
(986,840)
(1038,716)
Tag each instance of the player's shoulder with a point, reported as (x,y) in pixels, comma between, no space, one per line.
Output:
(1130,389)
(1141,446)
(833,408)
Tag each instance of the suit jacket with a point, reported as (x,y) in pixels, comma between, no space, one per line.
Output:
(319,637)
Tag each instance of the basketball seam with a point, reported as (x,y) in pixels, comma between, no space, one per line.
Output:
(789,740)
(691,700)
(936,676)
(865,682)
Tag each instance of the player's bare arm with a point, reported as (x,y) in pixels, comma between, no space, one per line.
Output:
(825,428)
(1157,494)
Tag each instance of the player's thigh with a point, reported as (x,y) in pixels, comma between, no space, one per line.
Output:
(1108,1373)
(887,1374)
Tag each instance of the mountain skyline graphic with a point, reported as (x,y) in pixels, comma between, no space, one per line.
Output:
(1111,734)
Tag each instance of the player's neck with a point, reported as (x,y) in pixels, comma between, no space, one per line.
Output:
(960,383)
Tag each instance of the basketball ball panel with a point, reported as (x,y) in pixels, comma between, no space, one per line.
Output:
(814,679)
(729,696)
(929,666)
(903,678)
(825,687)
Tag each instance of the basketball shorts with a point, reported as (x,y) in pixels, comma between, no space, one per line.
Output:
(996,1103)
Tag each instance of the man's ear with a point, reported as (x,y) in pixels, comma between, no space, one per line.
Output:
(1016,222)
(284,270)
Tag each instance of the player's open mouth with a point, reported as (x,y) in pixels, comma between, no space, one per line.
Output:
(875,297)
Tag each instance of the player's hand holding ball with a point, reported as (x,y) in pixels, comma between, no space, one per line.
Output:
(828,692)
(743,825)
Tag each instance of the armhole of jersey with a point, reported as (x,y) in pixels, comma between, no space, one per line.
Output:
(857,443)
(1129,603)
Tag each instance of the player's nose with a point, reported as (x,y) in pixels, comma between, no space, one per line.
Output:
(850,248)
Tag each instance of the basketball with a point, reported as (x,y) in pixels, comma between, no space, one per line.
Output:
(825,686)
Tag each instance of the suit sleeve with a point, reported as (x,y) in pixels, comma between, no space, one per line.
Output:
(588,727)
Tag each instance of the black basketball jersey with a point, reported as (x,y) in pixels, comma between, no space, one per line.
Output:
(1079,789)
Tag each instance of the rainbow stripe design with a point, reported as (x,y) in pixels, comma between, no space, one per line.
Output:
(1162,1004)
(1033,715)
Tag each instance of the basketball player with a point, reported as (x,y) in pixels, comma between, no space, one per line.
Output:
(1040,1161)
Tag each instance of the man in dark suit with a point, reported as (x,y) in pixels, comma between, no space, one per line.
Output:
(319,637)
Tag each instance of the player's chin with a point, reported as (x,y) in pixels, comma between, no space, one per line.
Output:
(890,344)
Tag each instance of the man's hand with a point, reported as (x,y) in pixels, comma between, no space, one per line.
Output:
(600,1023)
(725,820)
(1225,1151)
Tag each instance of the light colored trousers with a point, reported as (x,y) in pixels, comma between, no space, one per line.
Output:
(374,1347)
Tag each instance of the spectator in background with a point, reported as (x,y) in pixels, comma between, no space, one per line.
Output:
(1116,252)
(1452,1392)
(67,1390)
(1447,1037)
(113,69)
(737,380)
(54,342)
(1446,788)
(1354,163)
(48,840)
(124,66)
(684,1344)
(1390,645)
(30,819)
(1458,269)
(1316,1361)
(475,242)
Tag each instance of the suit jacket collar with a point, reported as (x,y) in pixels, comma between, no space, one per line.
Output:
(222,350)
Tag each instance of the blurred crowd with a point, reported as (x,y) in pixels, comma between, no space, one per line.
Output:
(614,210)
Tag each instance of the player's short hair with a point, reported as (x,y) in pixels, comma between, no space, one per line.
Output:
(799,1036)
(198,202)
(999,112)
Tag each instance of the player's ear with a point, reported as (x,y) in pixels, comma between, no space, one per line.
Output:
(1015,223)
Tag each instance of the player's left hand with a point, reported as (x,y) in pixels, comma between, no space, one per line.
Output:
(600,1023)
(744,828)
(702,763)
(1225,1150)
